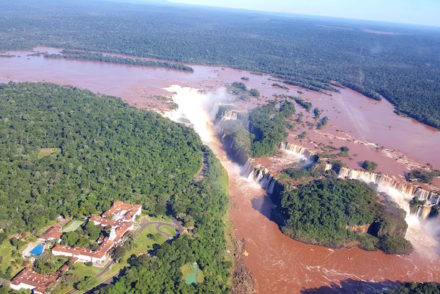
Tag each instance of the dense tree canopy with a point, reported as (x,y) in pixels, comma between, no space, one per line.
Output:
(267,124)
(332,212)
(416,288)
(66,151)
(206,245)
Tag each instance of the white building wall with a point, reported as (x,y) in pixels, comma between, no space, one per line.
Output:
(21,286)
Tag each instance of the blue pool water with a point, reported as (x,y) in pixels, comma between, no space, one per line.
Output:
(37,250)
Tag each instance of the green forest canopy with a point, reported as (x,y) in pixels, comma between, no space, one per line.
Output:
(107,151)
(403,64)
(327,212)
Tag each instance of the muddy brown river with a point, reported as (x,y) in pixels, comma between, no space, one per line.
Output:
(277,263)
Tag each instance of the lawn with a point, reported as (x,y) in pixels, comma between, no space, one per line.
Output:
(168,229)
(79,271)
(160,218)
(7,259)
(143,243)
(192,274)
(73,225)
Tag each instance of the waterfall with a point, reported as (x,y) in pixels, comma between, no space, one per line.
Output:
(297,151)
(259,175)
(422,232)
(387,185)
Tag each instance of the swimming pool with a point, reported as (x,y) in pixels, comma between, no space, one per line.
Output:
(37,250)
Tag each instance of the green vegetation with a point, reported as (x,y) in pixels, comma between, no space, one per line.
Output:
(192,274)
(302,135)
(304,104)
(276,85)
(48,264)
(73,225)
(169,230)
(322,122)
(259,134)
(162,272)
(108,151)
(287,109)
(239,89)
(45,152)
(401,66)
(416,288)
(369,165)
(267,125)
(111,151)
(316,113)
(421,175)
(87,236)
(343,151)
(254,93)
(331,211)
(137,243)
(10,259)
(337,165)
(84,55)
(78,275)
(237,139)
(310,171)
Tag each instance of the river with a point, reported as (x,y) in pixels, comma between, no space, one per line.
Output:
(277,263)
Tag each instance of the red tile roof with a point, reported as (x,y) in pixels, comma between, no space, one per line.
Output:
(31,278)
(119,206)
(120,228)
(103,221)
(53,232)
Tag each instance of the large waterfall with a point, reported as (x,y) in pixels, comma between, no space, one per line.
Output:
(422,233)
(296,150)
(400,192)
(260,175)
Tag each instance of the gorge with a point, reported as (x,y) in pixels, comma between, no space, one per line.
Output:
(275,261)
(250,206)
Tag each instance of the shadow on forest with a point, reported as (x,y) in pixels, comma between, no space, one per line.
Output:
(353,286)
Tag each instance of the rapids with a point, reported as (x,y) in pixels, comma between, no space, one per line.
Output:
(277,263)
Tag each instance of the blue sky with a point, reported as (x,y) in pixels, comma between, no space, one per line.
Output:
(421,12)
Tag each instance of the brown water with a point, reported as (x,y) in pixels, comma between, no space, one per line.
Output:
(351,112)
(278,264)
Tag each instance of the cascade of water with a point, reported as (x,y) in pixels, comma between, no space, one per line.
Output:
(420,233)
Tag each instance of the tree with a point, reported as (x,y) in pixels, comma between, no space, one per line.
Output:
(369,165)
(92,230)
(118,253)
(254,93)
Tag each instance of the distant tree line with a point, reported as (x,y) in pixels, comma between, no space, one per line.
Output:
(318,54)
(84,55)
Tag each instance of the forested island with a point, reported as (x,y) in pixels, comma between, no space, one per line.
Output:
(316,53)
(94,56)
(336,213)
(69,152)
(257,133)
(313,204)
